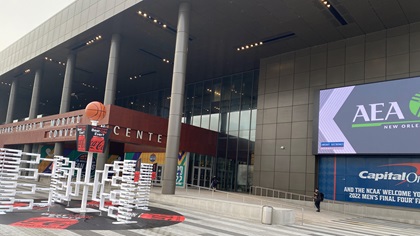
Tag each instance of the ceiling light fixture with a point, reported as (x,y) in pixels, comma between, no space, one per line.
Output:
(159,23)
(268,40)
(156,56)
(156,21)
(89,86)
(142,75)
(99,37)
(27,71)
(87,42)
(334,12)
(55,61)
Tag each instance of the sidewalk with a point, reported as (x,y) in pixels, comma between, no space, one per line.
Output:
(204,220)
(303,212)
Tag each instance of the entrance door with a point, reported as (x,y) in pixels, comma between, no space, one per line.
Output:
(207,177)
(201,170)
(202,176)
(159,176)
(196,175)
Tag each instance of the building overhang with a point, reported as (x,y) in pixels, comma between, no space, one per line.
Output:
(138,131)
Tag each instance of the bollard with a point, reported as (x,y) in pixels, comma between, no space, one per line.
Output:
(267,215)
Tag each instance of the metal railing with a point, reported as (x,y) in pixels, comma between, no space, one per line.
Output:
(275,193)
(238,197)
(356,209)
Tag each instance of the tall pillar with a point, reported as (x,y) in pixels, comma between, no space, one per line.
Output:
(110,89)
(12,100)
(177,98)
(67,85)
(33,109)
(26,148)
(111,76)
(66,94)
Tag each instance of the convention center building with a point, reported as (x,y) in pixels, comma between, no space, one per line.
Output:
(283,95)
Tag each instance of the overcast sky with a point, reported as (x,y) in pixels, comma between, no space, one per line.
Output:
(19,17)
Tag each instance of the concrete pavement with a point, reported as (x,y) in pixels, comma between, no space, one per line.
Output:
(205,222)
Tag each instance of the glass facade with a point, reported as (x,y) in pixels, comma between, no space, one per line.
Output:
(227,105)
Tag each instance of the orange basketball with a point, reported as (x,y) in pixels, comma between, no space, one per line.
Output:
(95,111)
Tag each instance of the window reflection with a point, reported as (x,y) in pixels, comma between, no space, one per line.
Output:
(227,105)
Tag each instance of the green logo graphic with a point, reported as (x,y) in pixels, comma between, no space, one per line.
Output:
(415,105)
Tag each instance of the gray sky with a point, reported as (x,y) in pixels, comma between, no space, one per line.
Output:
(19,17)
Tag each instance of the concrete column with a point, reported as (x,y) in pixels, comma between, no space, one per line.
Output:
(67,85)
(110,89)
(177,98)
(26,148)
(33,110)
(66,94)
(58,149)
(12,101)
(111,77)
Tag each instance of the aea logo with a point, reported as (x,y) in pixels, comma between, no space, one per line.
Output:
(384,113)
(407,178)
(415,105)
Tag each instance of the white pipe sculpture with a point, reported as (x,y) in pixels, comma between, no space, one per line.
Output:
(130,194)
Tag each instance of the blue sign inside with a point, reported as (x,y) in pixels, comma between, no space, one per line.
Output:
(393,181)
(152,158)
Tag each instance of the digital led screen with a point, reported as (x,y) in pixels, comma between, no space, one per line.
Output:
(377,118)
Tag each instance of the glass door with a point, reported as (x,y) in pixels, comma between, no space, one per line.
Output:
(159,176)
(202,170)
(195,176)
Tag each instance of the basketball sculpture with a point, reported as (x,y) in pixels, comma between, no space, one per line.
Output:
(95,111)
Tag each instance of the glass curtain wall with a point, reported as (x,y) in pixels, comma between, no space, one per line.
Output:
(227,105)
